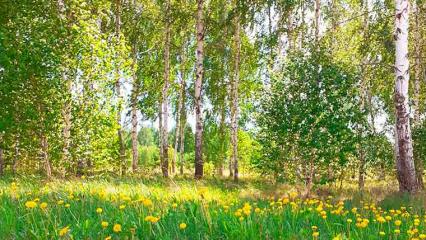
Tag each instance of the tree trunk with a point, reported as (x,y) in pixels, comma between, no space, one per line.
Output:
(230,165)
(363,93)
(222,152)
(45,155)
(182,115)
(317,19)
(417,75)
(361,170)
(198,86)
(164,135)
(122,150)
(177,131)
(66,110)
(160,131)
(1,157)
(234,96)
(134,103)
(16,156)
(405,163)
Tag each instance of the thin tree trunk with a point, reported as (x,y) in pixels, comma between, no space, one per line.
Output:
(16,156)
(45,155)
(198,86)
(66,110)
(1,157)
(317,19)
(230,165)
(361,170)
(417,74)
(122,150)
(165,142)
(405,167)
(177,131)
(134,102)
(160,131)
(222,136)
(234,94)
(182,120)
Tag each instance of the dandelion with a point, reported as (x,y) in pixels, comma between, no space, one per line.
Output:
(315,234)
(182,226)
(67,205)
(43,205)
(116,228)
(108,238)
(382,233)
(397,231)
(31,204)
(99,210)
(104,224)
(398,223)
(152,219)
(64,231)
(422,236)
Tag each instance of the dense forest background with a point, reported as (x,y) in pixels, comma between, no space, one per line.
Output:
(296,91)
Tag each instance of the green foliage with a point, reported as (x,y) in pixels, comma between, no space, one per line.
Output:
(314,122)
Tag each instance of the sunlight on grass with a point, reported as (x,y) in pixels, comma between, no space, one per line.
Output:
(101,209)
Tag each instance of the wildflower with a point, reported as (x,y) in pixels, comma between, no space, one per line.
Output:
(388,218)
(122,207)
(382,233)
(174,205)
(422,236)
(117,228)
(67,205)
(99,210)
(152,219)
(257,210)
(314,228)
(182,226)
(43,205)
(398,223)
(31,204)
(241,218)
(147,203)
(108,238)
(381,219)
(104,224)
(349,220)
(315,234)
(60,202)
(397,231)
(64,231)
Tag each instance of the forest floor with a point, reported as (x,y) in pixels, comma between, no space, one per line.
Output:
(180,208)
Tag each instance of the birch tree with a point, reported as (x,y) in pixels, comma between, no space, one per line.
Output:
(198,94)
(406,172)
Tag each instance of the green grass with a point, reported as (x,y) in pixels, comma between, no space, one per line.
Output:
(211,209)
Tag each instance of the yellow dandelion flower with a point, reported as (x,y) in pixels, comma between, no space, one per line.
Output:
(382,233)
(397,231)
(99,210)
(104,224)
(116,228)
(398,222)
(64,231)
(30,204)
(108,238)
(43,205)
(182,226)
(315,234)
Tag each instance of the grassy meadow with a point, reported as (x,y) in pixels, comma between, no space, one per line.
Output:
(131,208)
